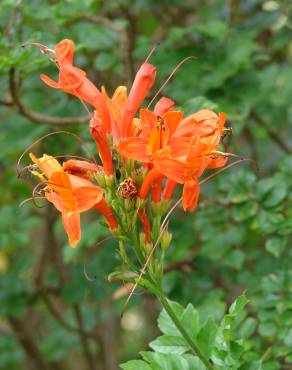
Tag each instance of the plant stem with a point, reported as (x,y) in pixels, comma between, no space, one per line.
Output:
(195,349)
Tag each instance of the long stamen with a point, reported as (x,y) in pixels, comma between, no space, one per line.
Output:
(31,199)
(51,134)
(151,52)
(169,78)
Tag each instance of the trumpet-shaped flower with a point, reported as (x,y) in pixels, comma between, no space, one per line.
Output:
(69,193)
(73,80)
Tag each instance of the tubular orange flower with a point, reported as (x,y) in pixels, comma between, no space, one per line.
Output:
(156,190)
(100,139)
(116,106)
(151,177)
(73,80)
(143,217)
(143,82)
(157,135)
(70,194)
(103,208)
(188,170)
(169,189)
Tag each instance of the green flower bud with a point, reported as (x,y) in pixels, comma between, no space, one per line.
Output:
(165,240)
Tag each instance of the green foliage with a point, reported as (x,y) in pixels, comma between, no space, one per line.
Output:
(218,341)
(238,240)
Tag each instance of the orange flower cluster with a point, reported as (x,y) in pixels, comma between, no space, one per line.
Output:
(143,157)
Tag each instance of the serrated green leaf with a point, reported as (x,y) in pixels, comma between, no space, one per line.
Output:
(165,323)
(135,365)
(169,344)
(166,361)
(207,336)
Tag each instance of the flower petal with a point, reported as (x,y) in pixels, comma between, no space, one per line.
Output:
(65,51)
(171,168)
(60,183)
(191,193)
(217,162)
(87,197)
(179,146)
(48,81)
(71,222)
(134,148)
(172,119)
(201,123)
(47,164)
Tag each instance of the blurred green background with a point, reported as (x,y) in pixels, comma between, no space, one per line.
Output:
(57,309)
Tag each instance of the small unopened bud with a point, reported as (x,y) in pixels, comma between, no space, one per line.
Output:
(100,179)
(165,240)
(109,180)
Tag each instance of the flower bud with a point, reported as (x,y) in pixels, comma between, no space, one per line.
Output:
(165,240)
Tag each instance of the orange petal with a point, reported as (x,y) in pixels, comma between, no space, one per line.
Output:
(71,222)
(179,146)
(87,197)
(134,148)
(196,149)
(48,81)
(163,105)
(47,163)
(201,123)
(172,119)
(56,200)
(60,183)
(148,121)
(81,168)
(171,168)
(217,162)
(191,193)
(65,51)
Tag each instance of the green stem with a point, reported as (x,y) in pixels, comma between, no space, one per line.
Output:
(196,350)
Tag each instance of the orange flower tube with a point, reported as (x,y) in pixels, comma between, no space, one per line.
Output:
(156,190)
(163,105)
(100,139)
(151,177)
(143,82)
(169,189)
(107,212)
(73,81)
(143,217)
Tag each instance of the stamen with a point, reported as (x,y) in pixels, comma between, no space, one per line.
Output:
(225,168)
(77,137)
(151,52)
(31,199)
